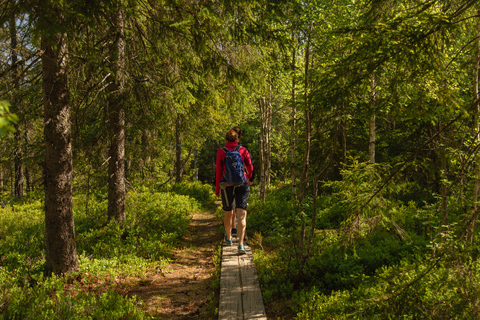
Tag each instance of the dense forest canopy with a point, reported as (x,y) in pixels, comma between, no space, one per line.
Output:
(362,118)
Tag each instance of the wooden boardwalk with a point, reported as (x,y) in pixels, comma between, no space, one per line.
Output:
(240,295)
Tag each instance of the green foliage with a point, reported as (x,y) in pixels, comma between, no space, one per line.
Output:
(275,276)
(427,288)
(273,217)
(22,230)
(348,252)
(201,192)
(337,267)
(7,119)
(155,222)
(48,298)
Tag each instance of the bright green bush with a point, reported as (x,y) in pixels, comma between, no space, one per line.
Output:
(203,193)
(274,216)
(275,282)
(155,222)
(435,288)
(22,229)
(46,298)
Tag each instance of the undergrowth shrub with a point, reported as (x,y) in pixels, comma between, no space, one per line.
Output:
(338,266)
(203,193)
(273,217)
(47,298)
(439,287)
(22,229)
(354,239)
(275,279)
(155,222)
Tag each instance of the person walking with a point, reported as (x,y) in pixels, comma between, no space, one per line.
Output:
(238,130)
(231,194)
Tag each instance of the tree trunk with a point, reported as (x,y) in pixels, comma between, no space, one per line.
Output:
(261,146)
(18,156)
(476,92)
(178,149)
(371,131)
(18,152)
(195,163)
(28,178)
(116,117)
(343,125)
(265,107)
(308,136)
(293,128)
(312,223)
(268,144)
(443,164)
(61,253)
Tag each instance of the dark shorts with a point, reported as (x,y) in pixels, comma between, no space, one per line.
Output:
(239,194)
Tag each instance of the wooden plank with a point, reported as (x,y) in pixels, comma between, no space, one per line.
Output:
(230,305)
(253,307)
(240,295)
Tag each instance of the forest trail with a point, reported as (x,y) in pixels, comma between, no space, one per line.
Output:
(240,295)
(184,289)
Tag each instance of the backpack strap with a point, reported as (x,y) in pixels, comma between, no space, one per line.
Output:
(236,148)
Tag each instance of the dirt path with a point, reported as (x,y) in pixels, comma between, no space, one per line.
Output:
(185,288)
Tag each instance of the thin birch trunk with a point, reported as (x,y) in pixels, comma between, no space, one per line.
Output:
(268,145)
(261,147)
(443,164)
(195,163)
(371,131)
(178,149)
(28,178)
(116,117)
(293,129)
(308,133)
(343,124)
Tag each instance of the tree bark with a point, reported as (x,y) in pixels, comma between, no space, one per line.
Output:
(116,117)
(28,178)
(195,163)
(61,253)
(476,92)
(371,131)
(268,144)
(343,126)
(178,149)
(293,128)
(18,152)
(261,146)
(308,136)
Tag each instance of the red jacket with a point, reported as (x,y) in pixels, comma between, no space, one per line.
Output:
(220,168)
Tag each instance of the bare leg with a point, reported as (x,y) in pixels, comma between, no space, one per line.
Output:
(233,225)
(227,220)
(242,224)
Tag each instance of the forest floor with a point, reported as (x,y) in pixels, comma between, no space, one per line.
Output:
(185,289)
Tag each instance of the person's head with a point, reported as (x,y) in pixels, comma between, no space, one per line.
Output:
(238,130)
(231,136)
